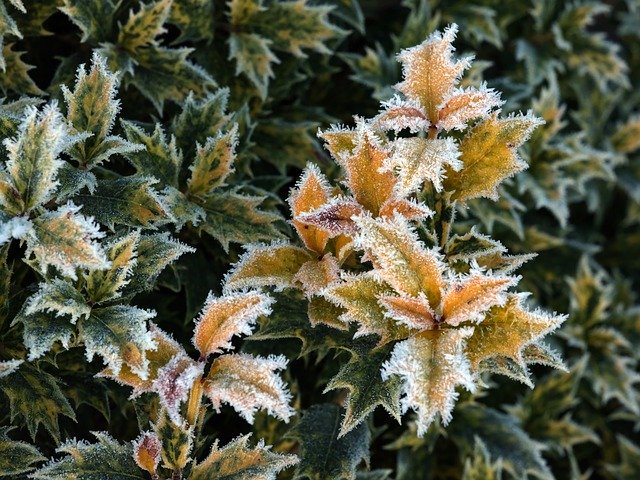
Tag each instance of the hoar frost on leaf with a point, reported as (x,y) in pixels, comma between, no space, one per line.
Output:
(224,317)
(146,451)
(18,228)
(249,384)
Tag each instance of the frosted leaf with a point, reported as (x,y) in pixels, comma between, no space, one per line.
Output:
(399,113)
(400,258)
(432,364)
(333,218)
(7,367)
(311,192)
(467,299)
(165,350)
(417,160)
(119,335)
(507,330)
(339,140)
(261,265)
(213,162)
(58,297)
(414,312)
(222,318)
(463,105)
(174,383)
(66,240)
(316,275)
(249,384)
(429,71)
(370,186)
(18,228)
(146,451)
(33,163)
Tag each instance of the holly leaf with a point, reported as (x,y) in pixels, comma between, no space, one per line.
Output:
(366,389)
(431,365)
(94,19)
(86,461)
(249,384)
(103,285)
(274,264)
(60,298)
(503,437)
(66,240)
(155,253)
(8,26)
(177,441)
(506,330)
(310,193)
(224,317)
(237,461)
(253,57)
(488,155)
(92,107)
(233,217)
(159,159)
(416,160)
(15,76)
(323,454)
(35,399)
(32,160)
(16,457)
(42,330)
(130,201)
(143,26)
(120,336)
(194,18)
(480,466)
(213,163)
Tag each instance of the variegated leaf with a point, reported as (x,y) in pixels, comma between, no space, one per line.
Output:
(213,163)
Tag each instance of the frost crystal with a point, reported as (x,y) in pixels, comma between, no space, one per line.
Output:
(174,382)
(18,228)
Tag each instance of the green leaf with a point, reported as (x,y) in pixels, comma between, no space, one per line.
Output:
(94,18)
(324,456)
(213,163)
(60,298)
(237,461)
(130,201)
(233,217)
(104,285)
(629,465)
(6,270)
(7,27)
(15,77)
(503,438)
(106,459)
(254,59)
(155,252)
(16,457)
(194,18)
(182,210)
(66,240)
(145,25)
(363,381)
(479,466)
(159,159)
(92,107)
(35,398)
(42,330)
(33,163)
(119,335)
(177,442)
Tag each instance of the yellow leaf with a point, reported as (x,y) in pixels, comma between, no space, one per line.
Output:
(359,295)
(507,330)
(400,258)
(340,141)
(265,265)
(464,105)
(414,312)
(146,451)
(370,187)
(432,365)
(626,139)
(311,193)
(222,318)
(409,209)
(315,275)
(430,72)
(248,384)
(466,300)
(488,153)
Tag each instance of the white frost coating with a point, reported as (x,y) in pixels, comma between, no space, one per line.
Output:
(150,444)
(311,171)
(399,113)
(250,383)
(224,317)
(58,297)
(416,160)
(431,370)
(327,217)
(250,251)
(7,367)
(478,104)
(18,228)
(174,382)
